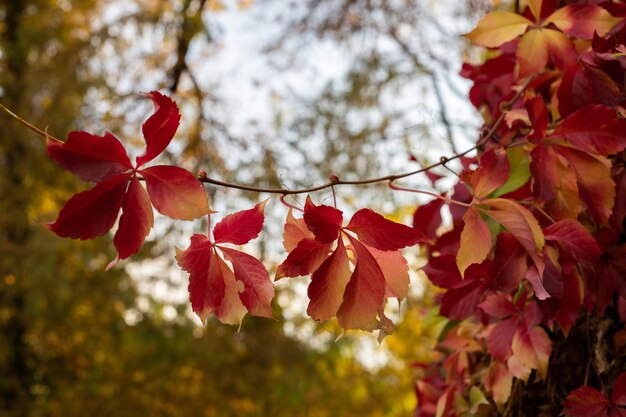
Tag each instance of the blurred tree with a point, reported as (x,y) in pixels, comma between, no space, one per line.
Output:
(74,340)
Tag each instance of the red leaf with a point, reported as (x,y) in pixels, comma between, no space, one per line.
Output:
(328,284)
(492,173)
(376,231)
(206,281)
(535,278)
(365,293)
(90,157)
(427,218)
(241,227)
(574,239)
(136,221)
(324,221)
(545,173)
(460,303)
(175,192)
(395,270)
(539,117)
(619,390)
(295,230)
(475,241)
(500,339)
(595,185)
(585,402)
(583,84)
(258,290)
(93,212)
(509,262)
(604,136)
(498,306)
(582,20)
(532,349)
(304,259)
(160,128)
(443,272)
(231,310)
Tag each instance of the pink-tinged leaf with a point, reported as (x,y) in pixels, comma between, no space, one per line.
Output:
(231,310)
(499,382)
(295,230)
(304,259)
(534,277)
(328,284)
(533,349)
(604,136)
(93,212)
(324,221)
(582,20)
(395,270)
(539,117)
(136,220)
(175,192)
(160,128)
(475,241)
(595,185)
(619,390)
(206,282)
(241,227)
(497,28)
(365,293)
(376,231)
(427,218)
(432,177)
(574,239)
(498,306)
(258,289)
(545,173)
(509,262)
(90,157)
(586,402)
(492,172)
(500,338)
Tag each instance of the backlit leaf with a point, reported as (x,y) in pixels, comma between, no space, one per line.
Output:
(376,231)
(582,20)
(497,28)
(324,221)
(294,231)
(241,227)
(492,172)
(160,128)
(304,259)
(175,192)
(475,241)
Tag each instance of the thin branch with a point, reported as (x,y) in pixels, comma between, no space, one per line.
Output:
(334,179)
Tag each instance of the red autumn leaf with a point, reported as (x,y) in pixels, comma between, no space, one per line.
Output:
(491,174)
(545,173)
(206,281)
(304,259)
(175,192)
(328,284)
(365,293)
(574,239)
(509,262)
(396,271)
(90,157)
(583,84)
(135,223)
(604,136)
(499,381)
(324,221)
(93,212)
(241,227)
(619,390)
(539,117)
(160,128)
(586,402)
(258,290)
(460,303)
(376,231)
(443,272)
(571,301)
(475,241)
(595,185)
(582,20)
(215,288)
(532,349)
(427,218)
(294,231)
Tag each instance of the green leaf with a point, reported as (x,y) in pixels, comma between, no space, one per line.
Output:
(519,174)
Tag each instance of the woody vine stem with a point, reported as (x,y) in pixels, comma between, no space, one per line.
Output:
(334,180)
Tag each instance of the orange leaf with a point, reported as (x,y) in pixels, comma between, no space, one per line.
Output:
(497,28)
(475,241)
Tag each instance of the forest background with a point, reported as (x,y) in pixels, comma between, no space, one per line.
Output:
(273,93)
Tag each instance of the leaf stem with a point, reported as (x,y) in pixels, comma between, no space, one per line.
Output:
(28,125)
